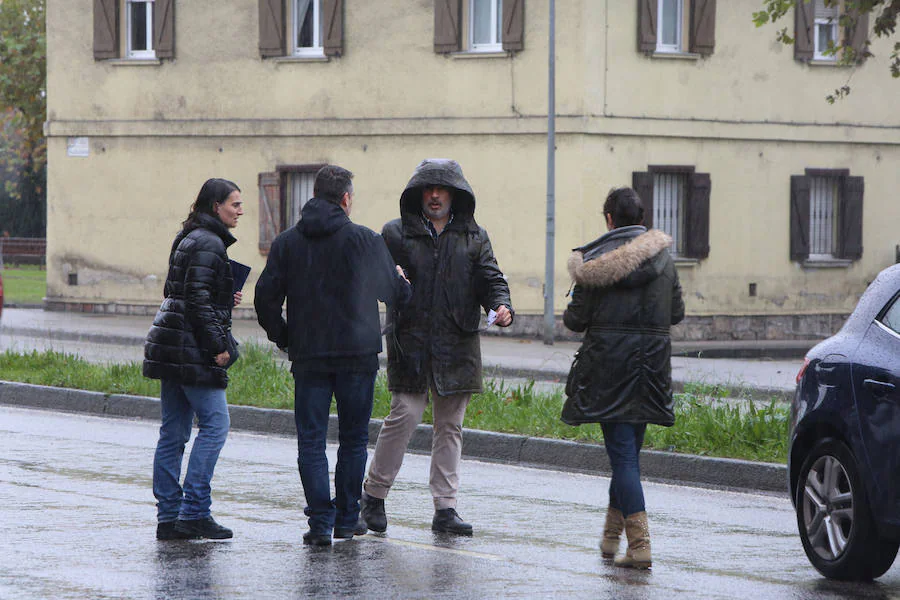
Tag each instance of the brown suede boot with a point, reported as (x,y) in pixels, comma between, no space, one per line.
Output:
(638,532)
(615,523)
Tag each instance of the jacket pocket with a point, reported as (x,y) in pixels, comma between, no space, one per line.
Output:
(468,321)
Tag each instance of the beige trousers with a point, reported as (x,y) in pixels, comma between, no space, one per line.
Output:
(446,448)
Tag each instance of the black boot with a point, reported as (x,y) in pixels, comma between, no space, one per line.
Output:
(446,520)
(317,539)
(167,531)
(203,528)
(372,512)
(347,533)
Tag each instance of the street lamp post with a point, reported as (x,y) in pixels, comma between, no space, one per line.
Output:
(551,182)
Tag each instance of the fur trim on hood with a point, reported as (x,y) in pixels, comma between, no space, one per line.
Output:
(612,267)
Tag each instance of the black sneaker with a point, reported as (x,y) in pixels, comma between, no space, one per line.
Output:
(446,520)
(203,528)
(346,533)
(372,512)
(167,531)
(317,539)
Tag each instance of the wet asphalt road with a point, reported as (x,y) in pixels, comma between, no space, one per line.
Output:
(77,520)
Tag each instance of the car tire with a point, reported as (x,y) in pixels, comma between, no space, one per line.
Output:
(839,535)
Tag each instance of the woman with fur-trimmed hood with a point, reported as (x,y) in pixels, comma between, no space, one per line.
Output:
(626,297)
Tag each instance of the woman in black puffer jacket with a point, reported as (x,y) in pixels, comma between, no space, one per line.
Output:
(187,349)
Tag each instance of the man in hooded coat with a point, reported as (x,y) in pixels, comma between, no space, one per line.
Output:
(432,342)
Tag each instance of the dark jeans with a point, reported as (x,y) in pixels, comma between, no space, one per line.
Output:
(623,446)
(354,393)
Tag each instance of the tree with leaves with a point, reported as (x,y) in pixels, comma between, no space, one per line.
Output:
(850,15)
(23,109)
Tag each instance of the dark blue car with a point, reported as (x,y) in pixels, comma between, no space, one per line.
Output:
(844,456)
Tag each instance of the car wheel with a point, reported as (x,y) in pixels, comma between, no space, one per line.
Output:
(834,517)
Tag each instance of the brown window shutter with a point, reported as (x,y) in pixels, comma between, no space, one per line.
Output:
(106,29)
(642,182)
(696,222)
(334,27)
(513,25)
(647,10)
(851,215)
(269,209)
(858,35)
(799,217)
(271,28)
(804,29)
(164,28)
(703,26)
(447,15)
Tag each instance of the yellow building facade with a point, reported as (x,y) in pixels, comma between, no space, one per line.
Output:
(783,206)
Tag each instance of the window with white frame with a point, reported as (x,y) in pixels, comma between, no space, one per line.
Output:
(300,190)
(670,19)
(669,193)
(307,28)
(485,22)
(826,33)
(824,202)
(139,20)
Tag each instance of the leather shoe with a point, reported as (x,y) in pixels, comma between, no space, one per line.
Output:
(372,512)
(203,528)
(347,533)
(167,531)
(317,539)
(446,520)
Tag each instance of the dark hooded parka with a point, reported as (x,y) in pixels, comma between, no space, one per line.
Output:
(454,277)
(626,297)
(333,272)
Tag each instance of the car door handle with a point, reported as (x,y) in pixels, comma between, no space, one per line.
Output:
(823,369)
(878,388)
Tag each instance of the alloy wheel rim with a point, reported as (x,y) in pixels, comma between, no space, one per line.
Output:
(828,507)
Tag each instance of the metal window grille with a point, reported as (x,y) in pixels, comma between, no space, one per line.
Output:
(824,195)
(669,192)
(301,190)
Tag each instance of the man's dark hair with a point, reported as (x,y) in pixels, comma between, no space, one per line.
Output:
(332,182)
(625,207)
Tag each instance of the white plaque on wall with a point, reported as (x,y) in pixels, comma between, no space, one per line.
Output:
(78,146)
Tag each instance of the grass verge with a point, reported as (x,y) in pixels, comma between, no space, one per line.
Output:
(706,426)
(24,284)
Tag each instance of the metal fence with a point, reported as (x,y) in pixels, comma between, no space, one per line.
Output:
(26,251)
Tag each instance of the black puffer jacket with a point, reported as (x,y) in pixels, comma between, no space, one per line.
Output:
(333,272)
(627,295)
(193,322)
(453,279)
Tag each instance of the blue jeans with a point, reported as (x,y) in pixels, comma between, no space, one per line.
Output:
(623,446)
(179,404)
(354,393)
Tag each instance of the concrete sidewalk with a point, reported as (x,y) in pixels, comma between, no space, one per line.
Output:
(503,356)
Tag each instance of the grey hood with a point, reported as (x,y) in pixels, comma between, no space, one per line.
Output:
(438,171)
